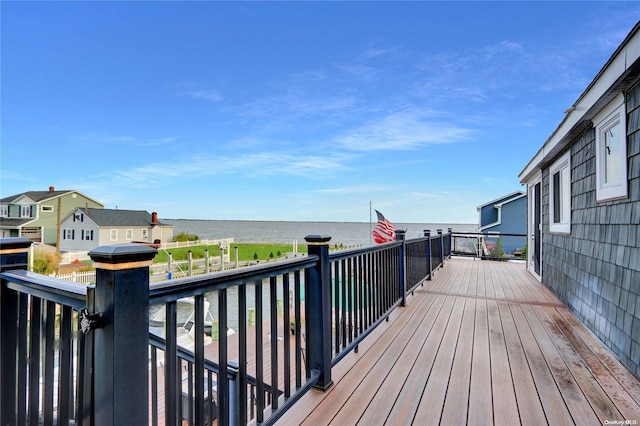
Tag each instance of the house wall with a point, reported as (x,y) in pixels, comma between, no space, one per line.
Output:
(68,203)
(513,221)
(77,243)
(595,269)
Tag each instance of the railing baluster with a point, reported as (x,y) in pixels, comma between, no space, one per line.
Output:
(223,348)
(242,354)
(35,338)
(259,353)
(286,303)
(65,388)
(23,301)
(49,352)
(199,361)
(171,367)
(273,320)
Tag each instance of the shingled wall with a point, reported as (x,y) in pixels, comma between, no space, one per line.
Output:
(596,269)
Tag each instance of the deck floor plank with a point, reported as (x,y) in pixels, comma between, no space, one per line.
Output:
(598,384)
(573,379)
(480,398)
(481,343)
(505,406)
(434,394)
(457,400)
(529,405)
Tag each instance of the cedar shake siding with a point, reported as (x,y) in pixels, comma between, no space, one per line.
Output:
(595,269)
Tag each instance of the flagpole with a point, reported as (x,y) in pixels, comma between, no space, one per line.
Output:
(370,225)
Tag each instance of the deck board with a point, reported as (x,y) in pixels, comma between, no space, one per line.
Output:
(482,343)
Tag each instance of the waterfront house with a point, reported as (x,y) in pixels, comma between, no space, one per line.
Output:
(35,214)
(86,228)
(583,189)
(506,215)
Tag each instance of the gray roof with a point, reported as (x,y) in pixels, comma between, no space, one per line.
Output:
(111,217)
(12,222)
(36,196)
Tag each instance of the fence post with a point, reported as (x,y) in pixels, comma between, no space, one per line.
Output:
(400,236)
(318,309)
(14,254)
(121,374)
(427,233)
(440,247)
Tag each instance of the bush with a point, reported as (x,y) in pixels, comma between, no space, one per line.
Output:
(45,262)
(498,250)
(183,237)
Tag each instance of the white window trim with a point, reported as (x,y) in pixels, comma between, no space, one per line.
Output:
(47,208)
(612,115)
(563,227)
(4,210)
(129,234)
(113,235)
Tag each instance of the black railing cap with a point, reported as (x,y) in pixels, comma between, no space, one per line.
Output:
(122,253)
(15,243)
(317,239)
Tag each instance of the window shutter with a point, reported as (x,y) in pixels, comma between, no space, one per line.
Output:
(92,235)
(73,234)
(82,235)
(64,234)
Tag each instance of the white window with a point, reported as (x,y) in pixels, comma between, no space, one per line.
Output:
(129,234)
(47,208)
(113,235)
(144,235)
(69,234)
(25,211)
(87,234)
(4,211)
(611,151)
(560,195)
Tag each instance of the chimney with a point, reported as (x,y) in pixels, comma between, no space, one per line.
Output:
(86,208)
(51,189)
(154,218)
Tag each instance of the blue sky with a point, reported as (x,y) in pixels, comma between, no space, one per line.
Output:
(292,110)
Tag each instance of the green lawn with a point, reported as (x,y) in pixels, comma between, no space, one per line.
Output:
(246,251)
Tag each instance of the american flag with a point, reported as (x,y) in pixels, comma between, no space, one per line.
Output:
(384,231)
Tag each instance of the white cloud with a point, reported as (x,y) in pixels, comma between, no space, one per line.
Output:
(402,131)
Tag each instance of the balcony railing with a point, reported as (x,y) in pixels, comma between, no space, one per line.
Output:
(251,343)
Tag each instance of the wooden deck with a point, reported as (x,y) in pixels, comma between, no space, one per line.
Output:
(481,344)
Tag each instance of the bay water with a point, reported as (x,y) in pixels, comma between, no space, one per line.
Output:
(345,233)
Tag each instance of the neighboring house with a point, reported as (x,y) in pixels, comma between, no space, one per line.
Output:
(85,228)
(36,214)
(506,215)
(583,189)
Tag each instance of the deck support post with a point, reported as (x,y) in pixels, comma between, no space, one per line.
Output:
(121,386)
(318,310)
(402,284)
(14,254)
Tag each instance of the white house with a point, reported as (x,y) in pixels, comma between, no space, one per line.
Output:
(86,228)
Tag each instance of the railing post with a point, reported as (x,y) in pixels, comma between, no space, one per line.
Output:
(400,236)
(318,310)
(14,254)
(121,374)
(441,245)
(427,233)
(450,238)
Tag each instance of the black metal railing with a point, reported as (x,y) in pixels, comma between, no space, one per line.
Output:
(251,343)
